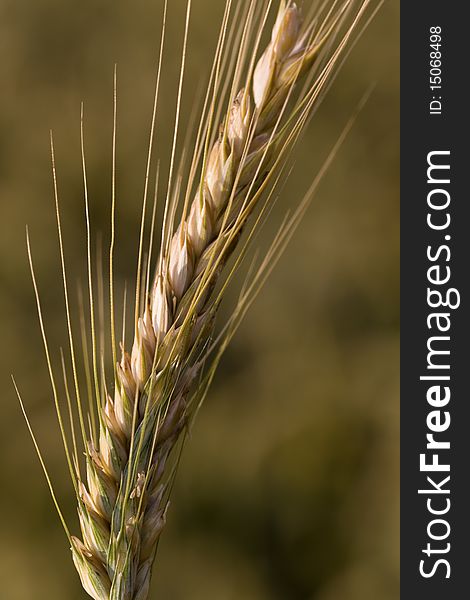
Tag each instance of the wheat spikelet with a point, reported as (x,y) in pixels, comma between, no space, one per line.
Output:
(123,495)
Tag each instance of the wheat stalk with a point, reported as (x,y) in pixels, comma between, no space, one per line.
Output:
(124,492)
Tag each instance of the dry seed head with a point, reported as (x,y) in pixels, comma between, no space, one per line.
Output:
(147,330)
(154,523)
(219,170)
(93,576)
(263,77)
(95,531)
(111,423)
(239,122)
(285,41)
(86,497)
(102,488)
(200,333)
(286,32)
(142,584)
(125,376)
(177,324)
(160,308)
(143,351)
(259,151)
(296,65)
(133,535)
(173,418)
(112,451)
(159,467)
(181,263)
(200,225)
(157,390)
(123,409)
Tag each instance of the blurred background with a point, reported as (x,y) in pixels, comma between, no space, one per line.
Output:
(288,488)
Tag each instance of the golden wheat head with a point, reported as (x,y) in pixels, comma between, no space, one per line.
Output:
(258,103)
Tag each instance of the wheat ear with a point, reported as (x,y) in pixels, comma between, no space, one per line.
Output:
(123,499)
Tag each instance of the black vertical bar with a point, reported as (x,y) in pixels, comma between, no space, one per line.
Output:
(422,133)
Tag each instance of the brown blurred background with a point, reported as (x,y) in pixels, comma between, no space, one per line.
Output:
(288,488)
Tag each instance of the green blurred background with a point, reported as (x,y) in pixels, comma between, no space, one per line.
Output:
(288,488)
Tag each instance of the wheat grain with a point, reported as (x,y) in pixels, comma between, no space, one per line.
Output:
(123,499)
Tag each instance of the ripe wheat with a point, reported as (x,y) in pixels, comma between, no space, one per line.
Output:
(124,490)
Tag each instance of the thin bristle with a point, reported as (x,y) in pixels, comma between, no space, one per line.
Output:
(94,349)
(49,362)
(41,460)
(66,292)
(149,160)
(113,226)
